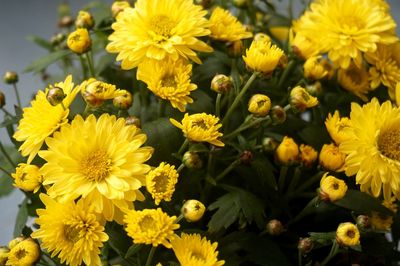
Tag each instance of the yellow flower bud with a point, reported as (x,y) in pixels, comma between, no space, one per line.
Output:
(347,234)
(381,221)
(300,99)
(84,20)
(2,99)
(26,252)
(10,77)
(338,128)
(27,177)
(96,92)
(119,6)
(262,36)
(193,210)
(79,41)
(192,160)
(332,188)
(363,222)
(274,227)
(287,151)
(269,144)
(55,95)
(305,245)
(236,48)
(3,255)
(314,69)
(308,155)
(240,3)
(133,120)
(124,101)
(221,83)
(331,158)
(259,105)
(278,114)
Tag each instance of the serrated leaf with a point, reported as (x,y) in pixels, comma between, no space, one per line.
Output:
(265,170)
(22,217)
(41,63)
(40,41)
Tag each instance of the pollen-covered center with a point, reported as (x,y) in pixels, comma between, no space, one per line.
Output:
(162,25)
(168,81)
(200,123)
(71,233)
(20,254)
(198,255)
(147,223)
(351,233)
(335,186)
(351,23)
(389,143)
(161,183)
(96,166)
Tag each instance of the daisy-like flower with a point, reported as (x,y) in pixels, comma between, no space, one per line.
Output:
(262,56)
(331,158)
(336,126)
(200,128)
(159,29)
(314,68)
(26,252)
(347,234)
(41,119)
(226,27)
(161,181)
(346,28)
(332,188)
(355,80)
(96,92)
(193,250)
(71,231)
(372,152)
(300,99)
(101,160)
(27,177)
(150,226)
(169,80)
(308,155)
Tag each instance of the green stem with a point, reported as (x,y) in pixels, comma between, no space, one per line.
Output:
(180,217)
(282,177)
(218,105)
(3,150)
(247,126)
(180,168)
(227,170)
(6,172)
(286,73)
(332,253)
(183,147)
(210,161)
(295,180)
(87,110)
(300,257)
(161,108)
(150,257)
(89,59)
(17,94)
(239,97)
(6,112)
(309,182)
(83,65)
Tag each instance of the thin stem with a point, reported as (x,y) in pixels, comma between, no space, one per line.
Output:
(6,172)
(286,73)
(180,168)
(63,106)
(87,110)
(332,253)
(161,108)
(183,147)
(17,94)
(247,126)
(6,112)
(150,257)
(83,65)
(180,217)
(218,105)
(227,170)
(89,59)
(210,161)
(3,150)
(295,179)
(239,97)
(309,182)
(282,176)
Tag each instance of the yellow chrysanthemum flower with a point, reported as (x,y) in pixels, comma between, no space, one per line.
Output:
(259,105)
(347,234)
(302,46)
(4,251)
(355,80)
(161,181)
(332,188)
(331,158)
(79,41)
(372,153)
(193,250)
(226,27)
(150,226)
(346,28)
(169,80)
(383,222)
(95,92)
(336,127)
(71,231)
(300,99)
(101,160)
(41,119)
(159,29)
(25,253)
(314,68)
(27,177)
(308,155)
(200,128)
(385,67)
(262,56)
(287,151)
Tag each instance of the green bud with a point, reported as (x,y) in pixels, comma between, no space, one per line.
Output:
(278,114)
(133,120)
(10,77)
(221,83)
(55,95)
(192,160)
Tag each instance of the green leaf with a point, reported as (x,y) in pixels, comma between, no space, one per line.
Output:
(265,170)
(201,103)
(40,41)
(6,185)
(9,121)
(315,136)
(118,239)
(41,63)
(133,250)
(22,217)
(362,202)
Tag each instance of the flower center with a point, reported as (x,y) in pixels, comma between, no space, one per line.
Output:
(335,186)
(351,233)
(162,25)
(351,23)
(200,123)
(389,143)
(96,166)
(198,255)
(147,223)
(161,183)
(71,233)
(168,81)
(20,254)
(355,76)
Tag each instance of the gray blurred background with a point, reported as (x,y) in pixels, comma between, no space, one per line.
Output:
(19,19)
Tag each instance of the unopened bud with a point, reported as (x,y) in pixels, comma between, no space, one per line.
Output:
(2,99)
(274,227)
(269,145)
(240,3)
(84,20)
(305,245)
(314,89)
(300,99)
(133,120)
(10,77)
(221,83)
(79,41)
(65,22)
(236,48)
(55,95)
(287,151)
(363,222)
(193,210)
(119,6)
(259,105)
(4,255)
(124,101)
(57,39)
(278,114)
(261,36)
(192,160)
(246,157)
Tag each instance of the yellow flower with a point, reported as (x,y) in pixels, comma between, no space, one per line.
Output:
(383,222)
(161,181)
(281,33)
(287,151)
(41,119)
(193,250)
(151,227)
(331,158)
(200,128)
(72,231)
(119,6)
(221,83)
(159,29)
(314,68)
(385,67)
(226,27)
(4,255)
(27,177)
(347,234)
(259,105)
(262,56)
(303,47)
(101,160)
(193,210)
(308,155)
(337,126)
(25,253)
(332,188)
(124,101)
(84,20)
(372,153)
(346,29)
(79,41)
(300,99)
(355,80)
(169,80)
(96,92)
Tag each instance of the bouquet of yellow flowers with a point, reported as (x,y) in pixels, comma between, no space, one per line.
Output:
(209,133)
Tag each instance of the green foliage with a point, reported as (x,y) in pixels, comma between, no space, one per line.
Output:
(43,62)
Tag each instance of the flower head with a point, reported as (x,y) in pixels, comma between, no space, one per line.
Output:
(96,92)
(159,29)
(42,119)
(347,234)
(381,221)
(4,251)
(150,226)
(259,104)
(302,46)
(161,181)
(79,41)
(84,20)
(193,210)
(200,128)
(221,83)
(300,99)
(308,155)
(27,177)
(331,158)
(315,68)
(98,159)
(355,80)
(169,80)
(332,188)
(226,27)
(337,126)
(287,151)
(25,253)
(193,250)
(72,231)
